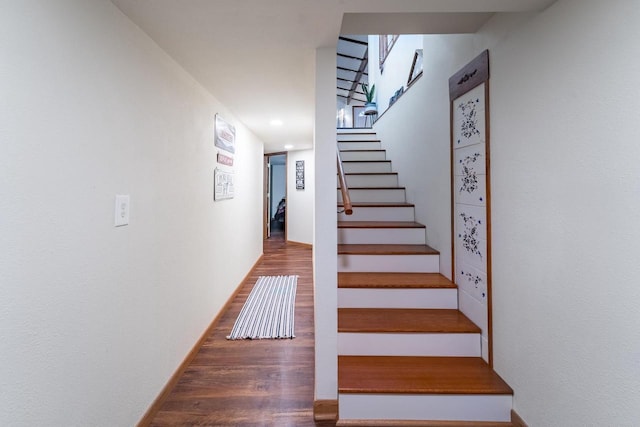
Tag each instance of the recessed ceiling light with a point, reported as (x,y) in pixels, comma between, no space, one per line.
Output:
(288,147)
(276,122)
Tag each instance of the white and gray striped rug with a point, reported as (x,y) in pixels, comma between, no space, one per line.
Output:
(268,311)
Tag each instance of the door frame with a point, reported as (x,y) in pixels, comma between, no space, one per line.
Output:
(266,220)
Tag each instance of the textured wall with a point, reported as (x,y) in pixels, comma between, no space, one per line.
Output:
(565,187)
(94,319)
(565,201)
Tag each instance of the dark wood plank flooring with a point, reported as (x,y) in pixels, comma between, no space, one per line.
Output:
(252,383)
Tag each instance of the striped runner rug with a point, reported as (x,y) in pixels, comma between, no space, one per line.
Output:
(268,311)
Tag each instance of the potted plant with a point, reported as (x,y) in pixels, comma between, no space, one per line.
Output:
(370,106)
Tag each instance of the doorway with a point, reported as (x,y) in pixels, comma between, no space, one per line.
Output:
(275,196)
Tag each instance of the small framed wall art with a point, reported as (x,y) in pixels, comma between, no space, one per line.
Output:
(299,174)
(225,135)
(223,185)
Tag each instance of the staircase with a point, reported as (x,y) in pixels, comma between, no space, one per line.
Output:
(406,355)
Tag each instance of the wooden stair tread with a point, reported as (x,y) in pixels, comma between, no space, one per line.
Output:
(420,423)
(379,224)
(363,249)
(418,375)
(404,320)
(371,173)
(394,280)
(374,188)
(379,204)
(366,161)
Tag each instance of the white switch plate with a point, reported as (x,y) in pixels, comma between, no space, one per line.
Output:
(122,210)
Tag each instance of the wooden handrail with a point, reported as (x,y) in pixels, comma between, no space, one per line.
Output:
(346,199)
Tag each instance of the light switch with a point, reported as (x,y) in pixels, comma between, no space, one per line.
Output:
(122,210)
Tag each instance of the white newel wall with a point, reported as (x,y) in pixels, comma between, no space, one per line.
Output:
(95,319)
(325,239)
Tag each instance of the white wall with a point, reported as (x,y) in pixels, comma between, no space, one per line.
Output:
(396,67)
(95,319)
(419,146)
(565,189)
(565,197)
(300,203)
(325,236)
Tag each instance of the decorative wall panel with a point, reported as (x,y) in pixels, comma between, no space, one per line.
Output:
(470,193)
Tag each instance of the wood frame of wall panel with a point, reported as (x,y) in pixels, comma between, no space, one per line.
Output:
(466,79)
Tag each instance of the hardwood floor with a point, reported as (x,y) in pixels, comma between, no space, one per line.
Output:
(252,383)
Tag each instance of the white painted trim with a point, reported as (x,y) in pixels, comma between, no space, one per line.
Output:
(398,298)
(372,180)
(363,155)
(393,195)
(389,263)
(366,167)
(409,344)
(436,407)
(389,236)
(396,213)
(360,145)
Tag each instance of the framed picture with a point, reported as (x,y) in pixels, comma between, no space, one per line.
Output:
(299,174)
(225,135)
(223,185)
(416,67)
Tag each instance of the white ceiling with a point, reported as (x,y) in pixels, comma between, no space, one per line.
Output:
(257,56)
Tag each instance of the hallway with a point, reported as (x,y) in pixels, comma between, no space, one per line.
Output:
(252,383)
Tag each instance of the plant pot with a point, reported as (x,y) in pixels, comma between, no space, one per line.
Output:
(370,108)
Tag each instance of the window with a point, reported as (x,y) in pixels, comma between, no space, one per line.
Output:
(386,42)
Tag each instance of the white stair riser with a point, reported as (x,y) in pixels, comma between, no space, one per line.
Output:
(356,136)
(381,236)
(389,263)
(363,155)
(409,344)
(359,145)
(387,195)
(477,312)
(366,167)
(381,180)
(379,214)
(398,298)
(436,407)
